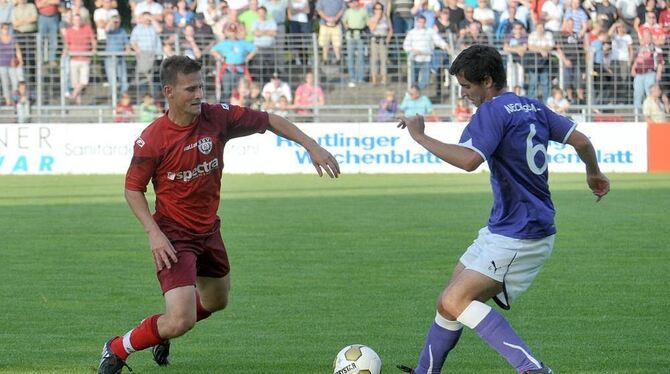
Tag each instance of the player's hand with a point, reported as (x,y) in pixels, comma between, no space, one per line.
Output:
(415,125)
(162,250)
(324,161)
(599,184)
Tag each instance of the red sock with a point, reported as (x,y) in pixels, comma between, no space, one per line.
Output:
(143,336)
(201,312)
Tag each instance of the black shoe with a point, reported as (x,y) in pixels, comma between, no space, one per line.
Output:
(544,370)
(161,353)
(405,369)
(110,363)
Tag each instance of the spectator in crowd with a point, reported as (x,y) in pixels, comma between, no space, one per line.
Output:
(506,24)
(277,11)
(241,93)
(571,51)
(664,16)
(117,45)
(552,14)
(462,112)
(422,8)
(381,32)
(456,15)
(439,62)
(124,109)
(355,21)
(646,70)
(102,17)
(642,11)
(22,101)
(307,96)
(414,103)
(388,107)
(213,12)
(282,107)
(605,14)
(516,45)
(265,31)
(204,35)
(621,57)
(330,28)
(148,6)
(11,61)
(540,45)
(401,15)
(169,26)
(188,45)
(420,43)
(148,108)
(234,54)
(6,7)
(627,10)
(248,18)
(469,19)
(238,5)
(601,68)
(47,25)
(275,89)
(146,43)
(255,98)
(298,14)
(228,17)
(578,16)
(78,7)
(557,102)
(521,12)
(79,39)
(656,107)
(472,35)
(485,16)
(651,26)
(24,23)
(183,15)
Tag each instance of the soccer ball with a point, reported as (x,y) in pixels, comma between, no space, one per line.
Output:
(357,359)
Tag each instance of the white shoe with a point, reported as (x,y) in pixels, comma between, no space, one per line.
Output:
(351,85)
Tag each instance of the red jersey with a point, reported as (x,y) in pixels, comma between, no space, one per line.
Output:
(185,163)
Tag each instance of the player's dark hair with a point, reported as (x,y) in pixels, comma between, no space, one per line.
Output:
(174,65)
(479,62)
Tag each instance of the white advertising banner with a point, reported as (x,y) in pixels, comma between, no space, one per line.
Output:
(358,147)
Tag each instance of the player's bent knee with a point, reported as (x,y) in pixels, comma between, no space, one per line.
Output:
(451,305)
(177,326)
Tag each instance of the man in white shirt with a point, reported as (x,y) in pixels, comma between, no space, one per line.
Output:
(420,43)
(275,89)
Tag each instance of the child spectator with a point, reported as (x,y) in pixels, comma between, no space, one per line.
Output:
(21,100)
(124,110)
(388,106)
(462,112)
(148,109)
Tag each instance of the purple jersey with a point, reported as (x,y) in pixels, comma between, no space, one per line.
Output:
(511,133)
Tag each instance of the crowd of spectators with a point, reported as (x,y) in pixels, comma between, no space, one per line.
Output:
(628,41)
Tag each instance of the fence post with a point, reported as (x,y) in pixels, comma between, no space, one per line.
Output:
(589,84)
(38,72)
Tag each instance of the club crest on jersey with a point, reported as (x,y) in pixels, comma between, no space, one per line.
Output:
(225,106)
(205,145)
(140,142)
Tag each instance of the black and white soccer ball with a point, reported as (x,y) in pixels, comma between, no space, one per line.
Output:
(357,359)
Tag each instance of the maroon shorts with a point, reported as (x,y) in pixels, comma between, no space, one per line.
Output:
(199,255)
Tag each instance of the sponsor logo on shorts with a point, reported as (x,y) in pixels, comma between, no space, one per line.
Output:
(140,142)
(204,168)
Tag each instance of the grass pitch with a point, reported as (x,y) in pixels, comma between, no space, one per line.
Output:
(319,264)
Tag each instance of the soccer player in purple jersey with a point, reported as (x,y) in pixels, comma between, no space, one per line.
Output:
(511,134)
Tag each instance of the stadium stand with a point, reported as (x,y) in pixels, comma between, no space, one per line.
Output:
(604,63)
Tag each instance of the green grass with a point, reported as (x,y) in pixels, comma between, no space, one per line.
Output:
(319,264)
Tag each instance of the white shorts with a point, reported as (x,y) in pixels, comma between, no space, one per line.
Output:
(79,71)
(513,262)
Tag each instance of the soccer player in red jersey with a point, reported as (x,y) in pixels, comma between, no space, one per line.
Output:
(181,153)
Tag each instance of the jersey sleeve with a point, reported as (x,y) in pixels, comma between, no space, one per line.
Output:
(484,132)
(143,164)
(560,127)
(241,121)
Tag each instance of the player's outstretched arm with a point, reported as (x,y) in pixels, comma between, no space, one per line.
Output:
(321,158)
(161,248)
(454,154)
(597,181)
